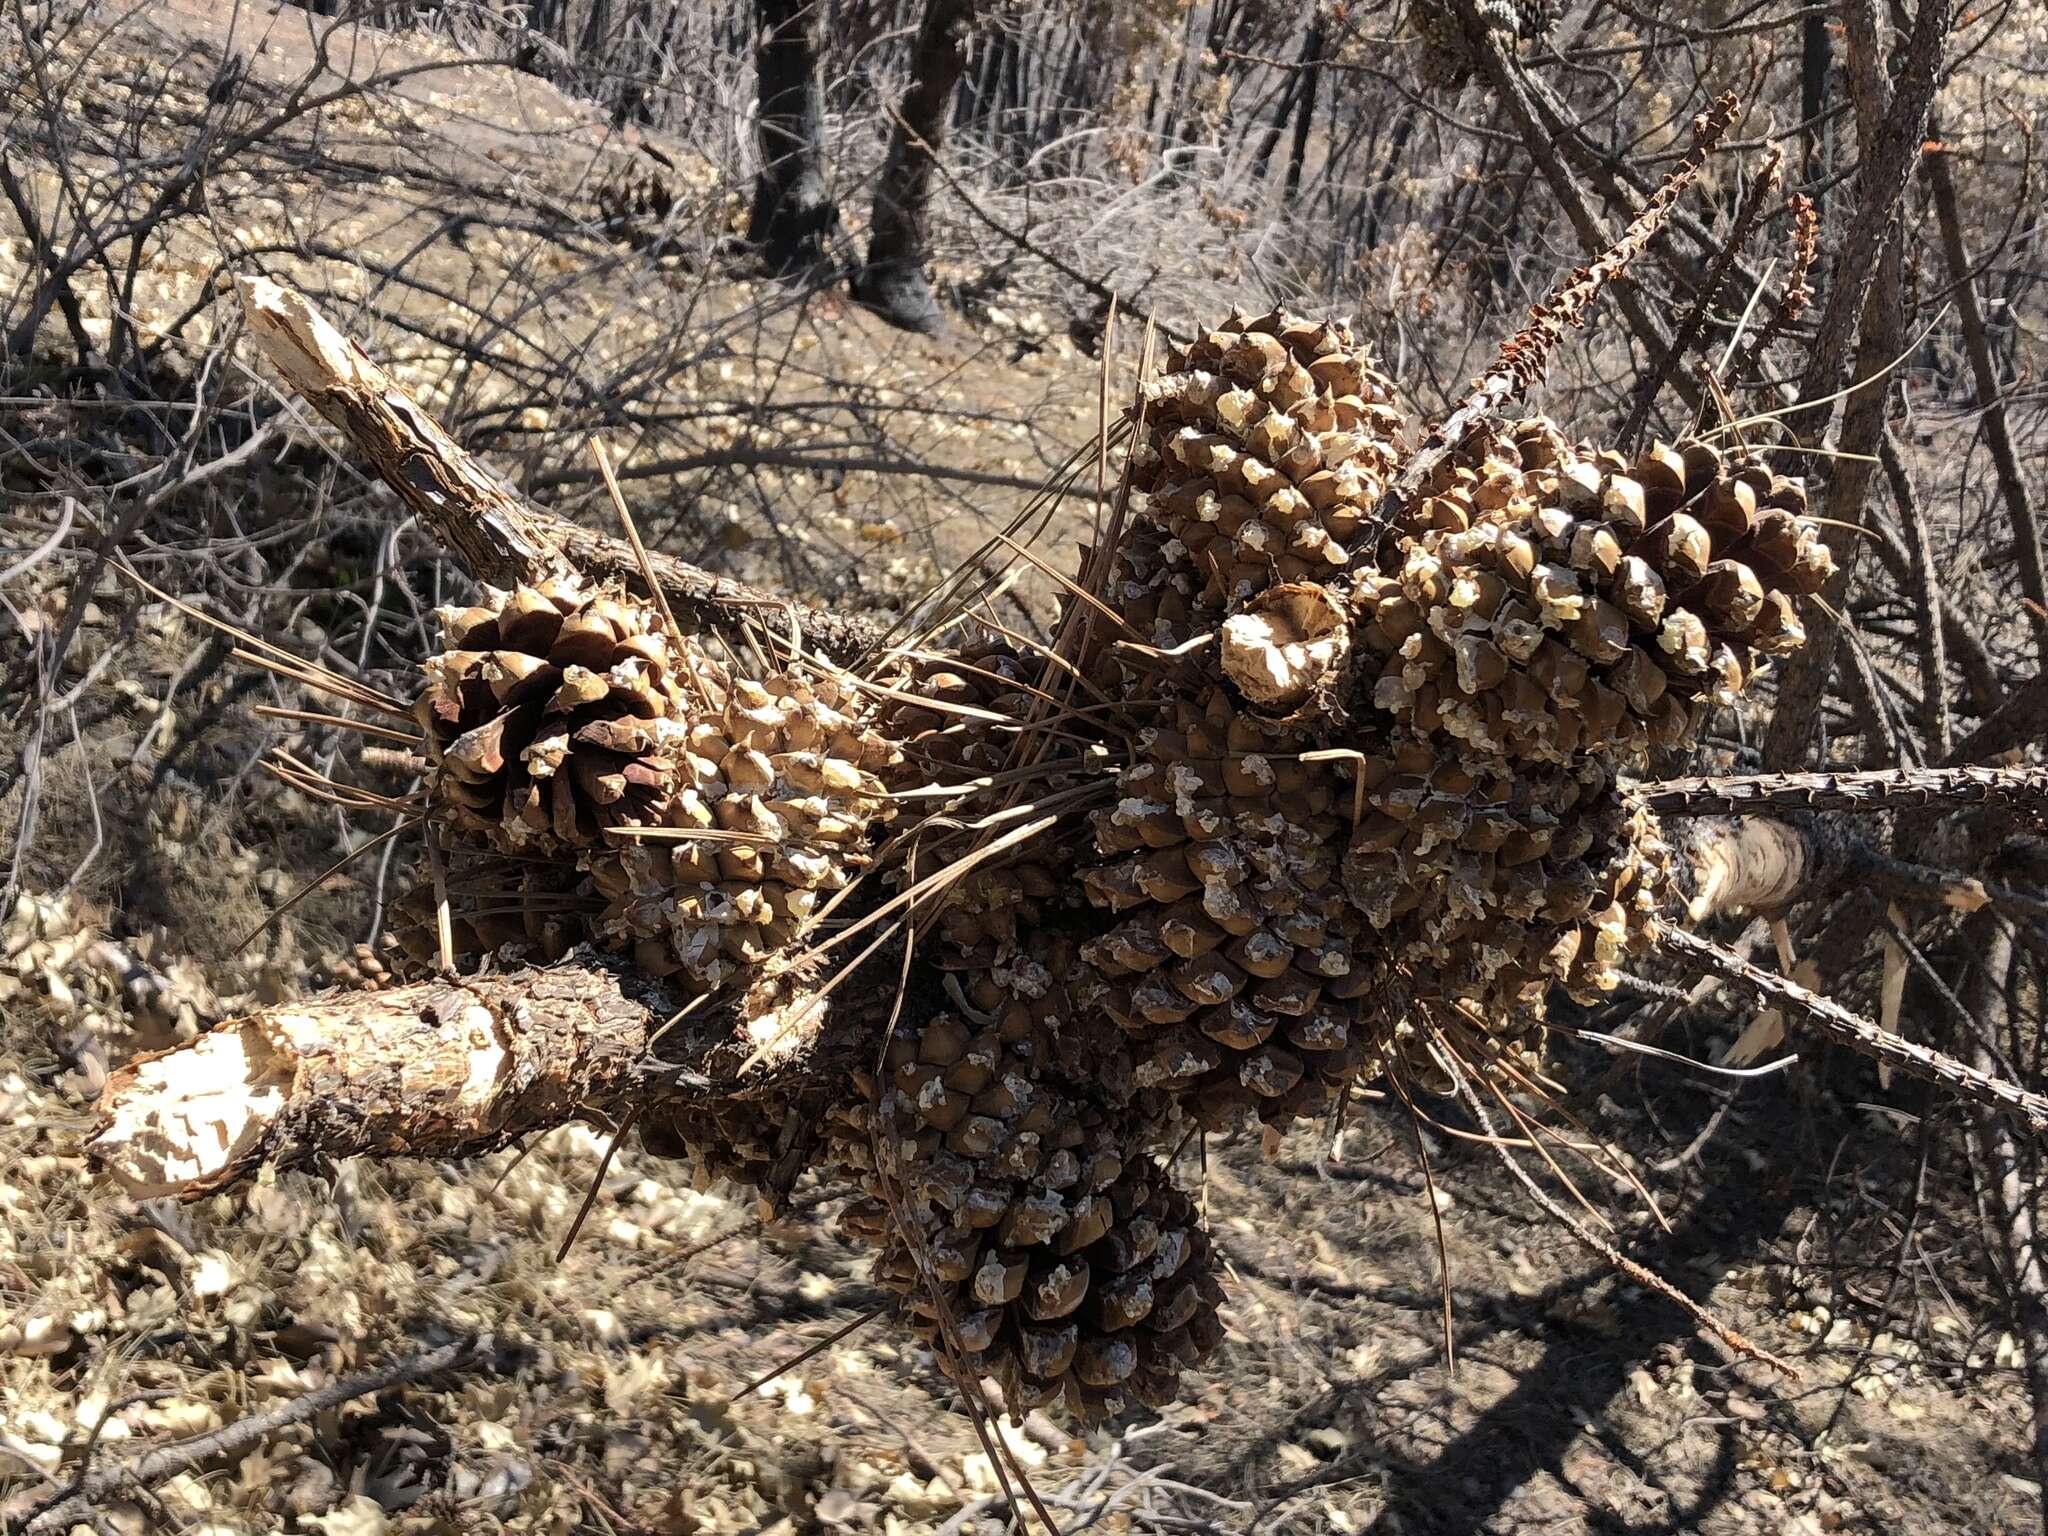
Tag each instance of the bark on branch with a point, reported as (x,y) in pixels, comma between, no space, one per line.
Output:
(446,1068)
(1859,1034)
(466,508)
(1877,790)
(501,538)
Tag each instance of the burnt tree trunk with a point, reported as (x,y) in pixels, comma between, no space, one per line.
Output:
(1283,109)
(1311,77)
(793,217)
(1816,140)
(893,282)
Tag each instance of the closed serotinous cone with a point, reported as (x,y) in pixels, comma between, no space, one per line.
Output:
(1389,777)
(1005,1154)
(941,725)
(1233,964)
(775,785)
(1541,621)
(1264,446)
(1547,602)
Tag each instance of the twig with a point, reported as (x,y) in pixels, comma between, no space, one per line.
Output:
(1878,790)
(1525,357)
(1797,292)
(1746,218)
(1025,243)
(1990,402)
(500,538)
(1860,1034)
(77,1503)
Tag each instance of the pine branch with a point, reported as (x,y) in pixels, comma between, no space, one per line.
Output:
(446,1068)
(1878,790)
(498,536)
(1762,188)
(1851,1029)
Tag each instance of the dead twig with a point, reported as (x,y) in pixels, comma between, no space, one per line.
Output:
(1844,1027)
(93,1487)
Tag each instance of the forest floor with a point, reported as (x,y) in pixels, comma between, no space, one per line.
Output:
(607,1394)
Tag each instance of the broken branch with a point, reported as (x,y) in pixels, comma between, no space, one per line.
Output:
(501,538)
(1845,1027)
(452,1067)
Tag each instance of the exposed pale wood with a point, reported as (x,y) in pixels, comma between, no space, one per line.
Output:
(1751,864)
(467,509)
(443,1068)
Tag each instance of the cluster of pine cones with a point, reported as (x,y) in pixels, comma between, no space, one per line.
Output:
(1443,46)
(1342,793)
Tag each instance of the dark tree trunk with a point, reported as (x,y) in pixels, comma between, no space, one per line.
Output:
(1311,76)
(793,217)
(893,282)
(1816,142)
(1384,184)
(595,25)
(1282,110)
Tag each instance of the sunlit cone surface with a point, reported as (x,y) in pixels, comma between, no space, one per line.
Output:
(1233,962)
(1549,602)
(775,784)
(1264,445)
(1487,895)
(1545,618)
(553,712)
(1398,786)
(1230,962)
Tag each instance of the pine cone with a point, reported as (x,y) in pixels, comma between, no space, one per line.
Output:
(952,743)
(1547,602)
(782,783)
(553,714)
(1487,891)
(1004,1157)
(1233,968)
(764,1143)
(1443,60)
(941,744)
(1265,446)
